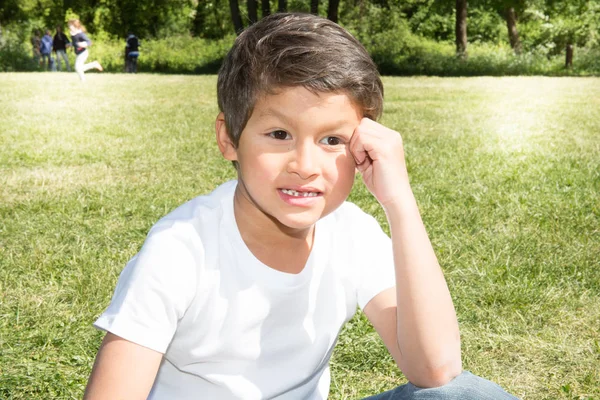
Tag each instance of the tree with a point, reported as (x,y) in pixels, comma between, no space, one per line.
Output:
(212,20)
(266,8)
(314,7)
(461,28)
(236,18)
(252,11)
(282,5)
(510,10)
(10,11)
(513,33)
(199,20)
(332,10)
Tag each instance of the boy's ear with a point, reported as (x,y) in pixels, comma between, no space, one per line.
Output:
(223,140)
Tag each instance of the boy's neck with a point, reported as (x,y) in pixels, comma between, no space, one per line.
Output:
(275,245)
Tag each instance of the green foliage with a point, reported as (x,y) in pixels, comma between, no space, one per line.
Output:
(399,52)
(404,37)
(185,55)
(396,51)
(69,15)
(175,54)
(10,11)
(15,50)
(550,29)
(485,26)
(212,20)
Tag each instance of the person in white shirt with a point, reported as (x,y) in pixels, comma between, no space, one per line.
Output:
(241,293)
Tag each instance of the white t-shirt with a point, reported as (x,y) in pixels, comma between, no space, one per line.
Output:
(229,326)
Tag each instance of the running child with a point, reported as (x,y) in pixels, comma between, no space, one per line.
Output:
(81,42)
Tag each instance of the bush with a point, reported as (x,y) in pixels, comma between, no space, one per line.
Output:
(177,54)
(395,49)
(15,50)
(184,54)
(399,52)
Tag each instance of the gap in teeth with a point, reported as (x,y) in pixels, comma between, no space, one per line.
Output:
(298,194)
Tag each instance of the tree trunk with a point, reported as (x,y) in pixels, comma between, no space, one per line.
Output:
(235,16)
(314,7)
(282,5)
(461,28)
(252,11)
(199,19)
(332,10)
(569,58)
(266,8)
(513,33)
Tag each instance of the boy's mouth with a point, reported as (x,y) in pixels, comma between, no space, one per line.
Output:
(295,193)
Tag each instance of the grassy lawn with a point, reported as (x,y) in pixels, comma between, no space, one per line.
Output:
(506,172)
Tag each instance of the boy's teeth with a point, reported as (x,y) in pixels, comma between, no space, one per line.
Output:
(298,194)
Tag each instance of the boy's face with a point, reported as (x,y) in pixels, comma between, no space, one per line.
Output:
(295,165)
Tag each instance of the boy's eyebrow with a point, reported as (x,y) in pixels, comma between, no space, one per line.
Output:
(271,112)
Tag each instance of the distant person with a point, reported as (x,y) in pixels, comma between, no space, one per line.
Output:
(46,50)
(132,47)
(59,45)
(36,42)
(81,42)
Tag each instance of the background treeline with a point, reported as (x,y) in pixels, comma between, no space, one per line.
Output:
(407,37)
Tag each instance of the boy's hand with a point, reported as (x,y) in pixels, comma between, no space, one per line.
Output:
(379,157)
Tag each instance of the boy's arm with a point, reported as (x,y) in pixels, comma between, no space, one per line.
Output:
(416,319)
(86,42)
(122,370)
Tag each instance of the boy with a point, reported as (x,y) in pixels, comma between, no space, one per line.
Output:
(132,52)
(60,43)
(46,50)
(241,294)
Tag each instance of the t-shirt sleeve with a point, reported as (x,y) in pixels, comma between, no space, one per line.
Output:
(372,251)
(153,292)
(85,38)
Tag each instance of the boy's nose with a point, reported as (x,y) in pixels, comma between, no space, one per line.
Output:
(304,161)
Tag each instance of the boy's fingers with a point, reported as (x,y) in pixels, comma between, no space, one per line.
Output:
(361,143)
(357,145)
(362,167)
(353,147)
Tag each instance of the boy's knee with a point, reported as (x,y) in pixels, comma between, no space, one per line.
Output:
(466,386)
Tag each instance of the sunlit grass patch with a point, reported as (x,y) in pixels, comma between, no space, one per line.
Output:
(505,170)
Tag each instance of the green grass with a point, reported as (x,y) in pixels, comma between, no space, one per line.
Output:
(506,172)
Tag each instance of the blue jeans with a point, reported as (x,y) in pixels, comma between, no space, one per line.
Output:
(46,60)
(466,386)
(62,54)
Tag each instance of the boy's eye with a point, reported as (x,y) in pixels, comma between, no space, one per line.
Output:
(279,135)
(331,141)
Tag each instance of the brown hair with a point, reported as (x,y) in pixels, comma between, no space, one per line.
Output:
(291,49)
(77,24)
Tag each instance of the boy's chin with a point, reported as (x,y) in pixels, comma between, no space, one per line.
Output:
(298,224)
(302,221)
